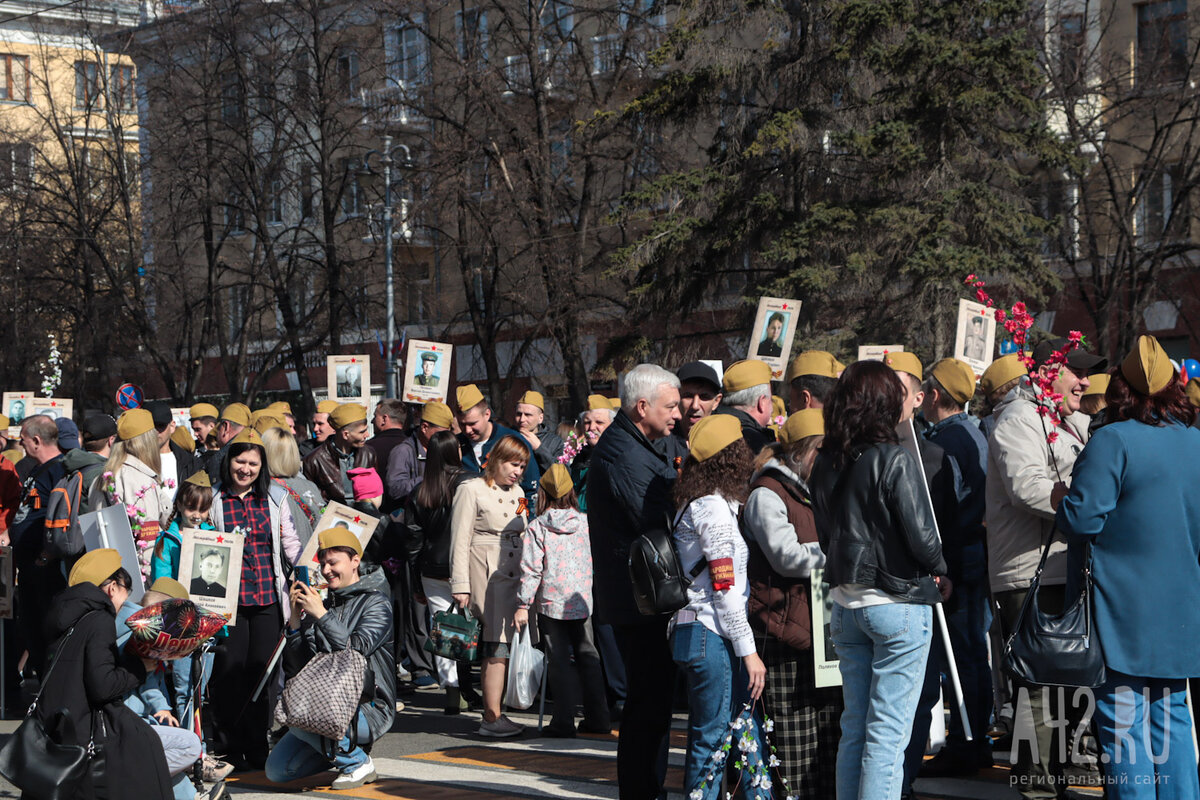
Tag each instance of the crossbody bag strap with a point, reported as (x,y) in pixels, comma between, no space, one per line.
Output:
(57,655)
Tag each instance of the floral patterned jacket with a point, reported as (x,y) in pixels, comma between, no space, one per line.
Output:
(556,565)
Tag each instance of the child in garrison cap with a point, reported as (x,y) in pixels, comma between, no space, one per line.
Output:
(193,504)
(556,576)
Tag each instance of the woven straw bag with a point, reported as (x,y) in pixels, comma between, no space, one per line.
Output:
(323,697)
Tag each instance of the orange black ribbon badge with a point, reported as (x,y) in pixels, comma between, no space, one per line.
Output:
(523,506)
(721,571)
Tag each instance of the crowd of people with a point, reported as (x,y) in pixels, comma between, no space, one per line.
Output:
(896,486)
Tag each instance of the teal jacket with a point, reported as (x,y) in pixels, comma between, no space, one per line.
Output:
(165,562)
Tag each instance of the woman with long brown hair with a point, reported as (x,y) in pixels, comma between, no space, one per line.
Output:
(1133,499)
(427,546)
(711,638)
(487,526)
(882,556)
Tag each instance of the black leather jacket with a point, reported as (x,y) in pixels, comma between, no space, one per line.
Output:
(875,525)
(324,469)
(359,617)
(426,536)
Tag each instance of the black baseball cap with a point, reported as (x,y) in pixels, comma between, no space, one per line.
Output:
(1077,358)
(98,426)
(160,410)
(699,371)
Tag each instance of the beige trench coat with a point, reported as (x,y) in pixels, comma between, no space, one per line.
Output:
(487,527)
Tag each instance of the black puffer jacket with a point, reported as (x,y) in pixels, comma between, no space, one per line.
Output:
(875,526)
(628,489)
(360,617)
(88,682)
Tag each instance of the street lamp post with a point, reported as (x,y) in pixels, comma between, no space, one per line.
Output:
(389,370)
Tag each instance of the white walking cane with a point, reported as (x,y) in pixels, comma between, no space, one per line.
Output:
(912,445)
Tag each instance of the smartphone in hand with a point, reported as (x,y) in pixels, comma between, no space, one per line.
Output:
(302,576)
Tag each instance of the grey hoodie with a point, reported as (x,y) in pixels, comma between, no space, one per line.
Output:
(1022,470)
(765,521)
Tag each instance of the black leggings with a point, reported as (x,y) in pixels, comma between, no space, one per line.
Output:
(240,727)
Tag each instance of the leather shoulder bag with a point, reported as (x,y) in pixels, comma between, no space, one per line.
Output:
(33,761)
(1056,650)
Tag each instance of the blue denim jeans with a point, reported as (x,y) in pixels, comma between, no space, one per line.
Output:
(181,680)
(881,654)
(1145,734)
(300,754)
(718,688)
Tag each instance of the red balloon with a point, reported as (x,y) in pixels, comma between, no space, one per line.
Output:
(171,629)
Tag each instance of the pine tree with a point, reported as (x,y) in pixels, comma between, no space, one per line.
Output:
(865,155)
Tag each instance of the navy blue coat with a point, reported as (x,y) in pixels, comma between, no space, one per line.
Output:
(1134,492)
(629,487)
(529,481)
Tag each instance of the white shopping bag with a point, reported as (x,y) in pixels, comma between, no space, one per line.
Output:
(525,666)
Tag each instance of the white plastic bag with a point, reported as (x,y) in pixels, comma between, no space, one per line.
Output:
(525,667)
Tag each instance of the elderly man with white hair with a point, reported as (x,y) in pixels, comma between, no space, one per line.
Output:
(747,388)
(629,489)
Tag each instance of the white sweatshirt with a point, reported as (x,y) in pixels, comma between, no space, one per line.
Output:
(708,530)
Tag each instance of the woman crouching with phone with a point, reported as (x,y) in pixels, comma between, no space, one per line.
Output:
(357,615)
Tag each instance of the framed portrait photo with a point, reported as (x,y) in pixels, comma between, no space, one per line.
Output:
(53,407)
(773,333)
(336,516)
(16,408)
(825,660)
(349,378)
(426,371)
(876,352)
(182,417)
(210,566)
(975,335)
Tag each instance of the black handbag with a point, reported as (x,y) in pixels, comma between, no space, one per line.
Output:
(1059,650)
(35,763)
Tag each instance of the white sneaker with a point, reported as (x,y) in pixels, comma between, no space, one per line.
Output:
(363,773)
(501,728)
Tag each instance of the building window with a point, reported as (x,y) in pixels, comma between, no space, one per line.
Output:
(275,201)
(606,53)
(408,56)
(1162,42)
(352,192)
(87,84)
(235,213)
(231,99)
(1156,206)
(239,307)
(641,13)
(516,73)
(306,191)
(16,165)
(347,74)
(16,78)
(121,88)
(472,34)
(1072,54)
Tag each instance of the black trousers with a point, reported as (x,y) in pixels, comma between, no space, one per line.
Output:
(560,637)
(35,596)
(239,725)
(646,722)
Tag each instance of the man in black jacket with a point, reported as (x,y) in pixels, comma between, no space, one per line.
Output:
(629,489)
(747,396)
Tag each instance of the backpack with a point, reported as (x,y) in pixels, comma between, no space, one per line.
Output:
(659,582)
(64,537)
